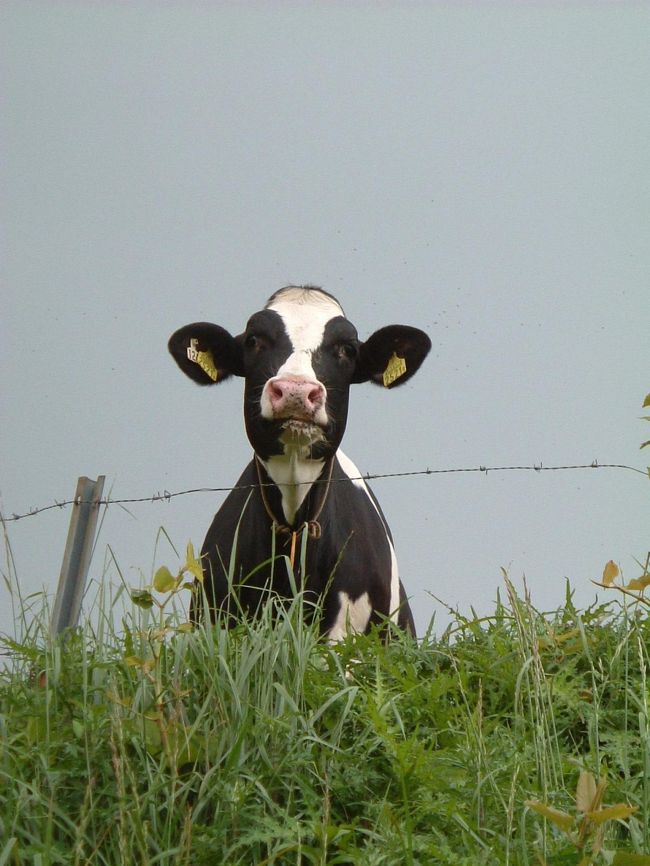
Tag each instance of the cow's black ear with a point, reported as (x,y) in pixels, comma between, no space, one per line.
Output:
(207,353)
(392,355)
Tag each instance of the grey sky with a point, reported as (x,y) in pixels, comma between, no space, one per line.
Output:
(478,170)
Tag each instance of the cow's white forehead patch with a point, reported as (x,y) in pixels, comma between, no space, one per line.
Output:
(305,313)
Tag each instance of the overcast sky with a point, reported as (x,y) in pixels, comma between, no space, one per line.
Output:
(479,170)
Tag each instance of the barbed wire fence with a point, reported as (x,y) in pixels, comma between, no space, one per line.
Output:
(167,496)
(88,499)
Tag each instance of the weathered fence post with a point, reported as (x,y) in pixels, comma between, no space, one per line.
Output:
(78,549)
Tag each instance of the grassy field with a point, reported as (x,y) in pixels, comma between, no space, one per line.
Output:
(521,738)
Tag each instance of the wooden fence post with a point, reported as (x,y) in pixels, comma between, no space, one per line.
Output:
(78,550)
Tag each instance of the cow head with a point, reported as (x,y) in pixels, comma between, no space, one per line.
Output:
(298,357)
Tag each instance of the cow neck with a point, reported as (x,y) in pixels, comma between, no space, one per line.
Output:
(312,525)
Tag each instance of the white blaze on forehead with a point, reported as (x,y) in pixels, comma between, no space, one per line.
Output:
(305,313)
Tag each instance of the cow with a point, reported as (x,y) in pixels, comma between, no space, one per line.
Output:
(300,515)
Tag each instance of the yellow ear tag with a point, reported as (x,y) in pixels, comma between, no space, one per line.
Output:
(203,359)
(395,368)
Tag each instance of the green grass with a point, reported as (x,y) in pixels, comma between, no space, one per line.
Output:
(143,742)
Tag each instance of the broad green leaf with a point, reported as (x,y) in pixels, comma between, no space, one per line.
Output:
(611,813)
(185,627)
(193,565)
(164,580)
(610,573)
(142,597)
(585,791)
(151,730)
(646,402)
(561,819)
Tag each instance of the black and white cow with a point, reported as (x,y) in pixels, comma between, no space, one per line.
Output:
(298,357)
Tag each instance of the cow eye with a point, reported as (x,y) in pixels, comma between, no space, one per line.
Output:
(254,342)
(346,351)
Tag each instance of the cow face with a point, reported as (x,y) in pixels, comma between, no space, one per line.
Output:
(298,356)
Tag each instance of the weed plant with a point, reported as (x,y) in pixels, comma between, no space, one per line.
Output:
(151,742)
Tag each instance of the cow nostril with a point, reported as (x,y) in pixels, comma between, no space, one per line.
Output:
(277,392)
(315,396)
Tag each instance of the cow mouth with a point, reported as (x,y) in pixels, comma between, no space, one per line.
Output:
(301,425)
(301,431)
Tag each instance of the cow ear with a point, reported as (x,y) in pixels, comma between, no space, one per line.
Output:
(392,355)
(207,353)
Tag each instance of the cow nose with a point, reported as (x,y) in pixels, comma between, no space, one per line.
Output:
(295,397)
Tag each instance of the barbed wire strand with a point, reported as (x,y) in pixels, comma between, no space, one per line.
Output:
(166,496)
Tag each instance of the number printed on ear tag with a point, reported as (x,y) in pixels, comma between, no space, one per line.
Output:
(395,368)
(203,359)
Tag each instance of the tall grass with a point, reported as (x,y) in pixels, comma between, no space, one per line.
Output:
(146,742)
